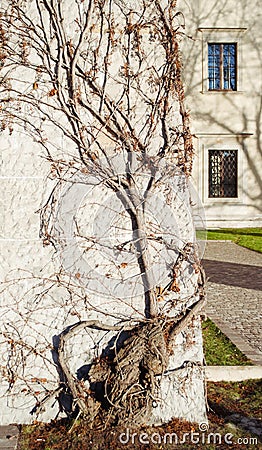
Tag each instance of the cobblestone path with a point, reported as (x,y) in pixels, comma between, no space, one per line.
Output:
(234,294)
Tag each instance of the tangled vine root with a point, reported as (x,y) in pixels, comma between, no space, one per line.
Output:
(131,384)
(124,385)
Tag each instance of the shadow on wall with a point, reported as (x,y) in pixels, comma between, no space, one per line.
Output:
(67,403)
(226,112)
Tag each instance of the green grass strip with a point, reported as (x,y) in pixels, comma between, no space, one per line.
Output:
(218,349)
(246,237)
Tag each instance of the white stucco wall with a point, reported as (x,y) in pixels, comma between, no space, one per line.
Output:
(31,322)
(34,321)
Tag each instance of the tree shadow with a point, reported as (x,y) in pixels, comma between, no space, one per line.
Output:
(235,418)
(237,232)
(232,274)
(244,105)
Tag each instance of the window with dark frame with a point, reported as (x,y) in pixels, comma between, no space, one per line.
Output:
(222,66)
(222,173)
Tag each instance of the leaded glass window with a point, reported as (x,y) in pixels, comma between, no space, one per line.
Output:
(222,66)
(222,173)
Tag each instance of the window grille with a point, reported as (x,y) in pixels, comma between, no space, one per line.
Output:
(222,173)
(222,67)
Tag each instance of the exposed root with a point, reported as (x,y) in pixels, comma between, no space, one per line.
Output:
(122,387)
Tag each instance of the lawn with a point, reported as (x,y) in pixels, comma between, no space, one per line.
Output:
(218,349)
(247,237)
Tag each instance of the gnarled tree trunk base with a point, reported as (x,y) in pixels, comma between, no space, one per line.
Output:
(136,381)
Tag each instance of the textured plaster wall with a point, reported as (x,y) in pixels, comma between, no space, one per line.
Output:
(37,321)
(33,321)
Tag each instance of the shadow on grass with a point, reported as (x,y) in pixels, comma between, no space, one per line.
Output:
(237,232)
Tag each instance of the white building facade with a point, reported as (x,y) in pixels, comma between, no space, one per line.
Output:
(222,59)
